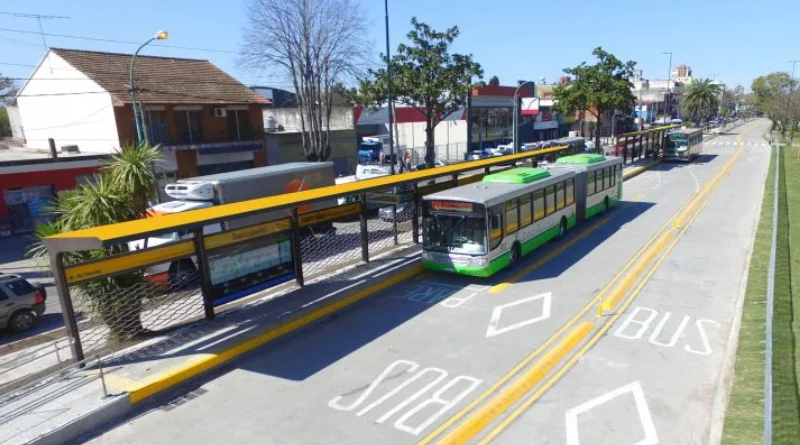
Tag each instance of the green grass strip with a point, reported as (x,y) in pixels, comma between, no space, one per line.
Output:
(744,419)
(785,392)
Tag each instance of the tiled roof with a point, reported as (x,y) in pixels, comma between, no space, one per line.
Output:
(167,80)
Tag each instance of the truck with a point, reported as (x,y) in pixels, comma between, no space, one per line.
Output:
(226,188)
(369,151)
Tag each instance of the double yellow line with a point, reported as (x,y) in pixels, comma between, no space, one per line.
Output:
(662,242)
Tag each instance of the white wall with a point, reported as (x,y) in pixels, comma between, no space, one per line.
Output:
(48,110)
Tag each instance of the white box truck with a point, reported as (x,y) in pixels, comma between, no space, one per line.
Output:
(226,188)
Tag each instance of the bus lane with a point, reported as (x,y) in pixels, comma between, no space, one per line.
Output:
(660,373)
(396,367)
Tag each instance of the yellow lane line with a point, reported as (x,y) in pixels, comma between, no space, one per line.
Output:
(611,301)
(142,389)
(589,344)
(455,418)
(488,413)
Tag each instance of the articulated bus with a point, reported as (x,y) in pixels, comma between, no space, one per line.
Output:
(479,229)
(683,145)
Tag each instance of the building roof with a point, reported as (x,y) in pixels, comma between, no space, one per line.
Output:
(166,80)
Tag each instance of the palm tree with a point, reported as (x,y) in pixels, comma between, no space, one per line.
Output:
(134,169)
(701,99)
(120,193)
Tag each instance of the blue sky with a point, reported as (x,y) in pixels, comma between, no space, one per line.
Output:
(734,39)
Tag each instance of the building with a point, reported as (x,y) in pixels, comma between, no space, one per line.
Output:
(29,180)
(682,73)
(283,126)
(204,120)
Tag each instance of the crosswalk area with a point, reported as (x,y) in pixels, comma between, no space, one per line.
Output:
(728,145)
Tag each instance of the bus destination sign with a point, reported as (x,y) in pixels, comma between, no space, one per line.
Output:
(452,206)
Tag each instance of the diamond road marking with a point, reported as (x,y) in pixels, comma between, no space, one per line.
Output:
(493,330)
(635,388)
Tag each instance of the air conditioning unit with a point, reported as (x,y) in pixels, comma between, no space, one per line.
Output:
(220,112)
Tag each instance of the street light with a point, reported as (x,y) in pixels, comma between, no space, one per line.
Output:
(389,90)
(161,35)
(669,77)
(516,112)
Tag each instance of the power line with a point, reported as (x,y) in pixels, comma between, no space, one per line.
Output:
(124,42)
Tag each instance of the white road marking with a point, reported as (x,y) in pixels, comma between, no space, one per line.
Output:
(635,388)
(436,398)
(493,330)
(652,314)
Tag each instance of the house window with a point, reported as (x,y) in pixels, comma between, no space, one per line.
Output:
(239,125)
(157,129)
(190,126)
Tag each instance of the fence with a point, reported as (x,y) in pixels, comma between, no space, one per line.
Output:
(122,297)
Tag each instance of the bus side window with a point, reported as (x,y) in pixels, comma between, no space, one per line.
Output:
(495,226)
(612,174)
(538,205)
(598,184)
(607,178)
(550,199)
(525,214)
(570,191)
(559,196)
(512,216)
(589,183)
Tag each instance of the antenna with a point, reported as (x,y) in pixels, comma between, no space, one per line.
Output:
(39,18)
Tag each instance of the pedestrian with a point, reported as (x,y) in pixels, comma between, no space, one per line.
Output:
(382,157)
(407,161)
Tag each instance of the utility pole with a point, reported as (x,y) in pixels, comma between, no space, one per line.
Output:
(669,79)
(389,104)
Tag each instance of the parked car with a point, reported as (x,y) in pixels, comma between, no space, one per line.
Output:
(404,212)
(21,303)
(477,155)
(436,163)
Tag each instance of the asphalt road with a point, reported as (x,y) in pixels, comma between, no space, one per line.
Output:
(13,261)
(395,368)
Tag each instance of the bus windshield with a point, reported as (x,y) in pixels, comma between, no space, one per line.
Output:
(455,233)
(676,141)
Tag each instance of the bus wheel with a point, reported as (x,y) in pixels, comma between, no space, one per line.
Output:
(562,228)
(515,254)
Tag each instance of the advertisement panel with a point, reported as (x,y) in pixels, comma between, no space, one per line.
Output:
(241,269)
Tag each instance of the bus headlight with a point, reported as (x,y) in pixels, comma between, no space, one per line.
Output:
(426,255)
(479,262)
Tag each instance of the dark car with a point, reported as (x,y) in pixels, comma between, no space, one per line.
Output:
(21,303)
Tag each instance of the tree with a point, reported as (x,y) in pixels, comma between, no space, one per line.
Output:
(8,90)
(426,77)
(701,99)
(494,81)
(113,196)
(318,44)
(775,95)
(598,88)
(5,125)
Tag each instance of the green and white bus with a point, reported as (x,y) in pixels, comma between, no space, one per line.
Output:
(683,145)
(480,228)
(598,179)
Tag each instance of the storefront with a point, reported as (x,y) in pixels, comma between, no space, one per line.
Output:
(29,185)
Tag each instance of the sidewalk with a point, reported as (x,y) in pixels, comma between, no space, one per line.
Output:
(64,409)
(67,408)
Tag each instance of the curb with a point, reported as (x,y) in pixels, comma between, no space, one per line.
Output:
(639,170)
(150,386)
(86,423)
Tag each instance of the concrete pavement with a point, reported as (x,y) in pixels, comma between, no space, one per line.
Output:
(395,367)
